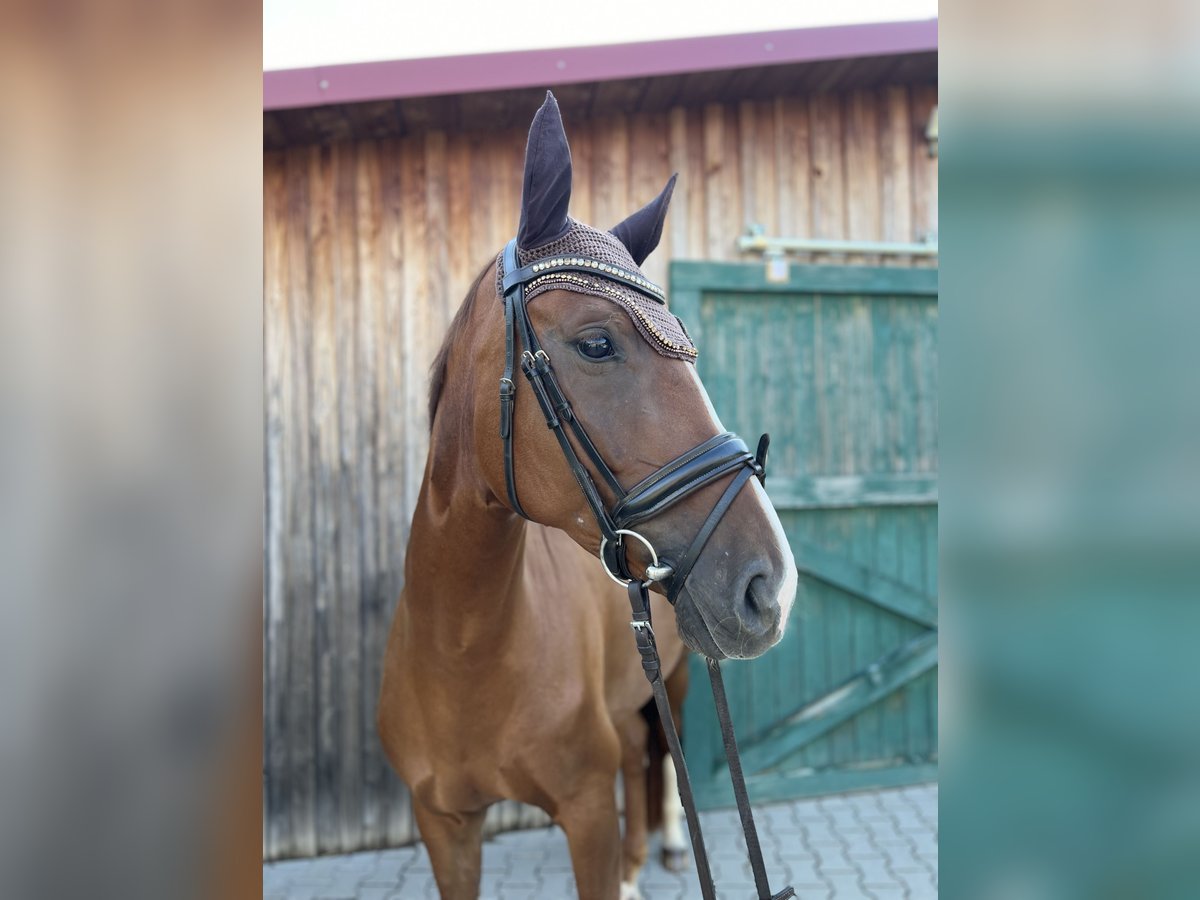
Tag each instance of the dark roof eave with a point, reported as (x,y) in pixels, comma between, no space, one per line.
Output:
(396,79)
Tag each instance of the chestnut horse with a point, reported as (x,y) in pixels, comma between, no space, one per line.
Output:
(511,671)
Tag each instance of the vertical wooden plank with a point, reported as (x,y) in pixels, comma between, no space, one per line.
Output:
(740,325)
(649,171)
(436,262)
(749,162)
(910,703)
(819,603)
(850,533)
(802,452)
(924,167)
(462,265)
(418,313)
(863,735)
(300,727)
(679,221)
(860,408)
(717,198)
(482,185)
(763,161)
(735,219)
(828,178)
(882,438)
(904,414)
(374,602)
(583,161)
(714,159)
(917,369)
(325,453)
(839,627)
(349,489)
(409,415)
(794,166)
(925,322)
(697,186)
(931,587)
(863,187)
(277,405)
(836,528)
(843,407)
(821,444)
(862,412)
(610,175)
(888,716)
(895,165)
(390,452)
(908,370)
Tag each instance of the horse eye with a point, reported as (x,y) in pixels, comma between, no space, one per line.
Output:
(596,347)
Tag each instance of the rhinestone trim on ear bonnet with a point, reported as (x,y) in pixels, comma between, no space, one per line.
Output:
(654,321)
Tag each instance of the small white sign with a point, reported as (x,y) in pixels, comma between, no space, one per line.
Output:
(777,269)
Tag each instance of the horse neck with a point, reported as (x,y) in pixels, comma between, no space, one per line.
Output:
(464,585)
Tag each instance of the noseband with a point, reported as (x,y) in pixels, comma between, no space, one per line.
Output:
(715,458)
(720,456)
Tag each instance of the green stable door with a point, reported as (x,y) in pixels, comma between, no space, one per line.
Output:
(839,364)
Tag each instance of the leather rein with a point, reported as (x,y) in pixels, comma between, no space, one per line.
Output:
(718,457)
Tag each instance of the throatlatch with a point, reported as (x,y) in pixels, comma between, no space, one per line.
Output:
(720,456)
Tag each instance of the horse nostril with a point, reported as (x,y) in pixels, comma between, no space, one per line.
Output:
(756,597)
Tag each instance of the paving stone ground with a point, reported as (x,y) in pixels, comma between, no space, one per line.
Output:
(876,845)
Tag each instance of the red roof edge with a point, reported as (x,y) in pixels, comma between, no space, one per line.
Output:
(395,79)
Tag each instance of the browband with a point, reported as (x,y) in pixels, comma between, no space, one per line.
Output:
(550,265)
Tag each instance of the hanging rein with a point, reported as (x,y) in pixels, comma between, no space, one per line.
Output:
(720,456)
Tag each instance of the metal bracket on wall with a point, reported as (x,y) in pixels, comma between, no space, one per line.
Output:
(773,248)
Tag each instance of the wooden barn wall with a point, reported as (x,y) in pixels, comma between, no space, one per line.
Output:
(369,248)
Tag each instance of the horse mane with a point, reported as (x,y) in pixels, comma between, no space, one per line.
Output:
(437,372)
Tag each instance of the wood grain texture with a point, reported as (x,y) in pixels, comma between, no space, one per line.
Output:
(369,246)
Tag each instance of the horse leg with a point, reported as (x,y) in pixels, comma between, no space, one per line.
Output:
(674,845)
(455,845)
(594,837)
(634,735)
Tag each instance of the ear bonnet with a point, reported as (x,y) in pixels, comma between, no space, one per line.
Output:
(547,233)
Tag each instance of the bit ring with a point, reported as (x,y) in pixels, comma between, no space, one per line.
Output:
(632,534)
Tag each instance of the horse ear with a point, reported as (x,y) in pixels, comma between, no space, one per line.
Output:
(546,190)
(640,233)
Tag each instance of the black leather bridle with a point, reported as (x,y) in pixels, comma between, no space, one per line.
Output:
(718,457)
(713,459)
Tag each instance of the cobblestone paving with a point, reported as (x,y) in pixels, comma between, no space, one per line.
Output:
(880,845)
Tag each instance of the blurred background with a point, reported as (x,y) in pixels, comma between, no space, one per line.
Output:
(1071,434)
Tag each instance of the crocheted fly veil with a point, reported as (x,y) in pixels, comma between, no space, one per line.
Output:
(546,232)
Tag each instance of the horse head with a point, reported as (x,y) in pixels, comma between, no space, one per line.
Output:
(625,370)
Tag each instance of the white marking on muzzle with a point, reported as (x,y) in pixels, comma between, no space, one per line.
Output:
(787,590)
